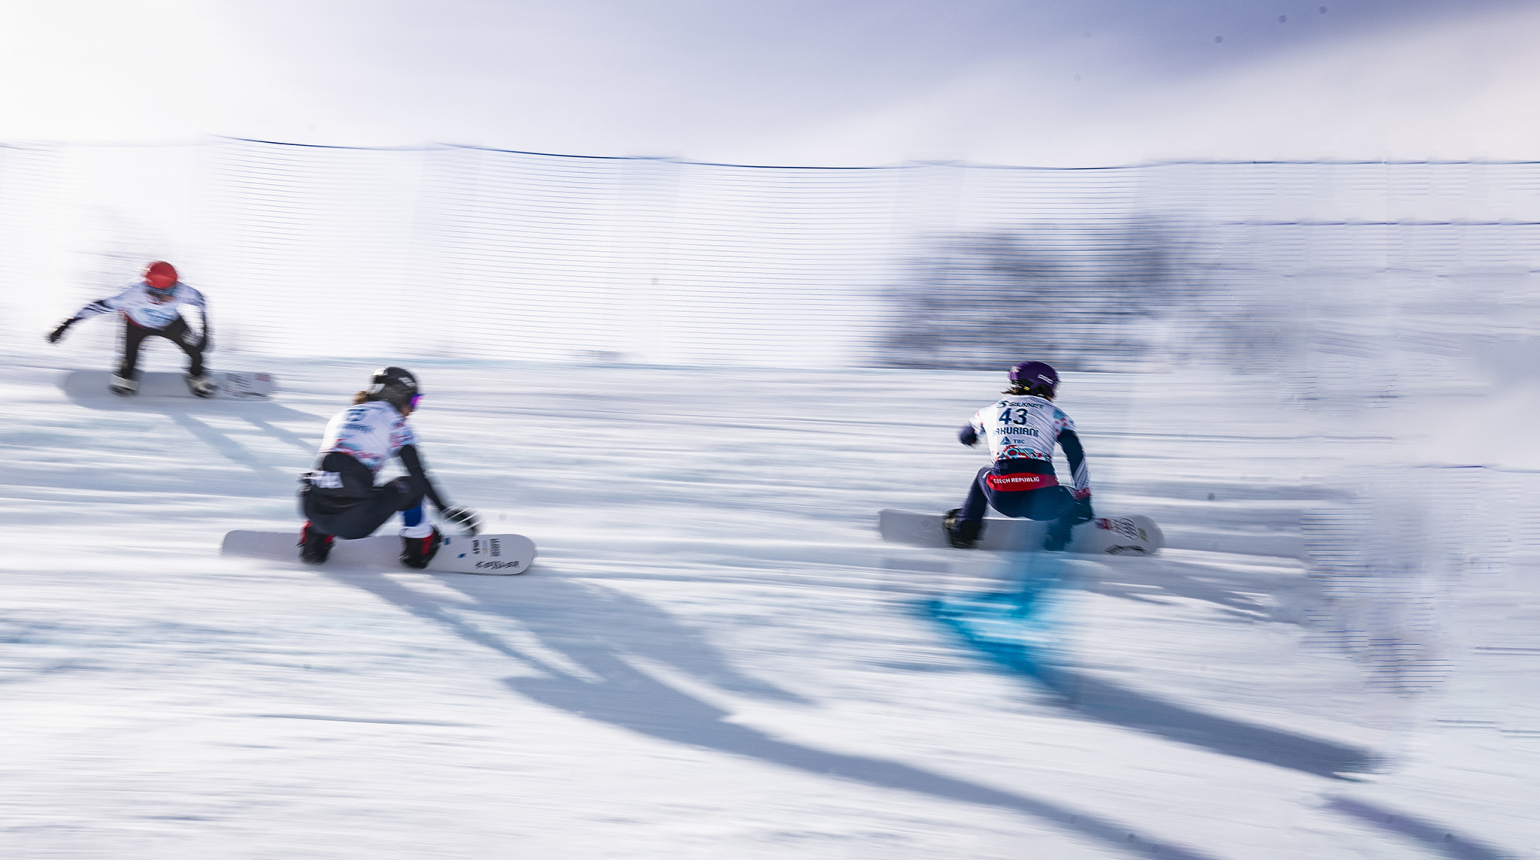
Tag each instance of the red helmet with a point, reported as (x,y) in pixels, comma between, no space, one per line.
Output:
(160,275)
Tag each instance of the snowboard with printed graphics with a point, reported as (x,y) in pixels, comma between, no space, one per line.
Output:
(228,384)
(496,555)
(1119,535)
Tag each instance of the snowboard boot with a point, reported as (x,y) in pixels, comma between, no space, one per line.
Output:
(416,552)
(314,547)
(962,534)
(1059,533)
(201,385)
(123,386)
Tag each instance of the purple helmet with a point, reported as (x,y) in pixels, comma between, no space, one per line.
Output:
(1030,374)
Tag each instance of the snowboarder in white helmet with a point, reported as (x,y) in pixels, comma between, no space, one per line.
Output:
(339,498)
(1021,430)
(152,307)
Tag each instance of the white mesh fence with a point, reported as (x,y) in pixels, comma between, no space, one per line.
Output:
(1342,274)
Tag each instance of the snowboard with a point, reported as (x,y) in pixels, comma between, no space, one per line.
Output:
(228,384)
(498,555)
(1122,535)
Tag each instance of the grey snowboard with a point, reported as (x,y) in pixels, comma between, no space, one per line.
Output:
(229,384)
(499,555)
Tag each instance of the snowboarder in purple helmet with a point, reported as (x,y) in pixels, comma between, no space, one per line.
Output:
(339,497)
(1021,430)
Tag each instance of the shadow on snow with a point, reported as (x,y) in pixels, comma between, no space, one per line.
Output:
(1433,836)
(561,614)
(1019,629)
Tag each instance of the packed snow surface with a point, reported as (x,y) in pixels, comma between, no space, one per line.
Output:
(715,656)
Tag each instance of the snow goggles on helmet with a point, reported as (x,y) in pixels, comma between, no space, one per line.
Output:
(165,295)
(416,399)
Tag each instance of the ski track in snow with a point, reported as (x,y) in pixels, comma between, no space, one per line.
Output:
(715,655)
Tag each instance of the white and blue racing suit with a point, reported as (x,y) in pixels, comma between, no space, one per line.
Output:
(155,313)
(1022,431)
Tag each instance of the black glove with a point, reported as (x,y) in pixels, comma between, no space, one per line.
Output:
(1081,512)
(968,436)
(463,517)
(58,333)
(202,342)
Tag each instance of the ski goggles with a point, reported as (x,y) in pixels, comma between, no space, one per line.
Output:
(416,399)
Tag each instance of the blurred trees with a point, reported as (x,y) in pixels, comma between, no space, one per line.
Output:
(1079,296)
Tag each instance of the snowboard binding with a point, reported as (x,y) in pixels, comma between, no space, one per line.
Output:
(961,534)
(417,552)
(123,386)
(314,547)
(201,385)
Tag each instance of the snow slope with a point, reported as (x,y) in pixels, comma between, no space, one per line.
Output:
(715,656)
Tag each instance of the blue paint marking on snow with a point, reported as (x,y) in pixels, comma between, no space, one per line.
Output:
(1019,628)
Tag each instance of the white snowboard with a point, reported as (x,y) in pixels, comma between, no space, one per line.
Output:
(229,384)
(499,555)
(1123,535)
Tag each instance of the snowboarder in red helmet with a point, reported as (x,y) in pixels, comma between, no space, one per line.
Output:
(153,307)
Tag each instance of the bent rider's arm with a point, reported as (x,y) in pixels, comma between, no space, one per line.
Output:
(100,306)
(197,299)
(1075,453)
(419,473)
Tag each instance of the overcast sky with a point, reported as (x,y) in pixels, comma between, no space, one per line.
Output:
(813,82)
